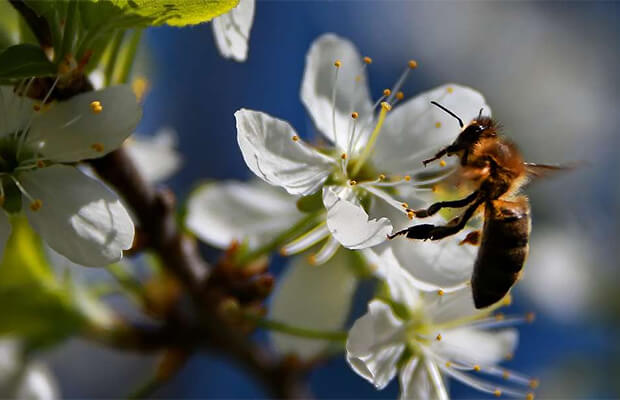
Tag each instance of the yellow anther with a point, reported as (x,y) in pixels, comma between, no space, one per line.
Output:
(507,300)
(381,177)
(405,205)
(442,163)
(437,124)
(499,316)
(497,392)
(40,164)
(387,92)
(433,189)
(312,259)
(450,89)
(98,147)
(438,337)
(506,375)
(283,252)
(139,86)
(368,60)
(337,63)
(410,214)
(448,364)
(440,292)
(2,198)
(295,138)
(400,95)
(36,205)
(529,396)
(355,115)
(343,156)
(358,78)
(36,107)
(412,64)
(352,182)
(386,106)
(534,383)
(407,178)
(530,317)
(477,368)
(96,107)
(509,356)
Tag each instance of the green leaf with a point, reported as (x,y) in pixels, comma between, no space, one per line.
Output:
(33,304)
(25,61)
(178,12)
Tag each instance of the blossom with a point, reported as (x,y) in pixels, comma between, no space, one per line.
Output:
(76,215)
(425,336)
(19,380)
(372,158)
(155,157)
(232,30)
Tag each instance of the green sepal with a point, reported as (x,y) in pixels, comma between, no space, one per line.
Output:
(24,61)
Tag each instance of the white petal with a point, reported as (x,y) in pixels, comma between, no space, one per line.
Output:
(312,297)
(232,31)
(404,289)
(350,224)
(410,133)
(80,217)
(440,264)
(271,153)
(318,82)
(155,157)
(15,111)
(413,380)
(37,384)
(223,212)
(9,362)
(71,131)
(373,347)
(476,346)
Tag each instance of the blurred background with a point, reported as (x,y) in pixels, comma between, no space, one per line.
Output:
(549,70)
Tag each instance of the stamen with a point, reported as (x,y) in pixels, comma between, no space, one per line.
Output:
(96,107)
(450,89)
(440,292)
(139,86)
(437,124)
(438,337)
(352,126)
(36,205)
(480,385)
(352,182)
(411,65)
(405,205)
(337,64)
(385,107)
(400,95)
(387,92)
(295,138)
(442,163)
(383,196)
(367,60)
(381,177)
(98,147)
(306,240)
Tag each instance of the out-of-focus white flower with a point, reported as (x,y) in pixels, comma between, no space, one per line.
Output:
(255,213)
(425,336)
(30,381)
(155,157)
(317,298)
(559,264)
(372,157)
(77,216)
(232,30)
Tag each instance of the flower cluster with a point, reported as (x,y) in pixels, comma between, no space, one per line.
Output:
(348,191)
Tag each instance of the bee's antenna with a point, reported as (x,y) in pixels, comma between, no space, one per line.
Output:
(480,113)
(449,112)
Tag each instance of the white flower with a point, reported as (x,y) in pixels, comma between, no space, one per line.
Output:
(18,380)
(76,215)
(425,336)
(372,157)
(254,213)
(232,30)
(155,157)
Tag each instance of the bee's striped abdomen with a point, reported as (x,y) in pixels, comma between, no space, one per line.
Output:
(503,250)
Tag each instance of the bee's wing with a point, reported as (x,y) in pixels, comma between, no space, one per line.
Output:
(535,171)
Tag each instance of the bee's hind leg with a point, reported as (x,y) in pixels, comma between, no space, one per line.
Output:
(435,207)
(436,232)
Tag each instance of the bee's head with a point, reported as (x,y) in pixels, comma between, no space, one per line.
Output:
(478,129)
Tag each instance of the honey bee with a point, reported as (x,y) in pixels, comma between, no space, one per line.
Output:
(495,167)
